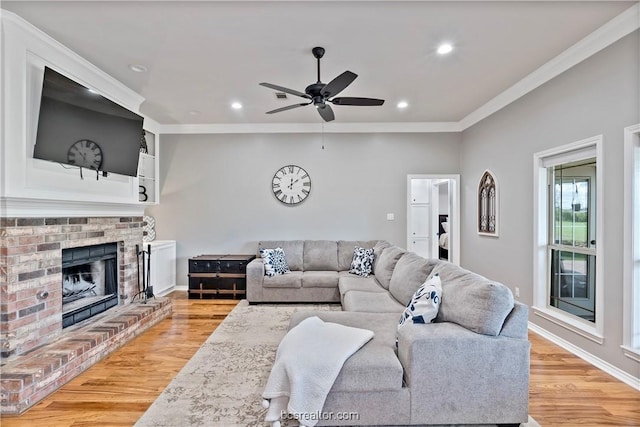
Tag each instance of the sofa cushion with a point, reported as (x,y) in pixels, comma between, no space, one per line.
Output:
(362,263)
(274,262)
(289,280)
(423,306)
(473,301)
(375,367)
(377,250)
(345,251)
(384,265)
(320,279)
(411,271)
(356,283)
(371,302)
(320,255)
(292,251)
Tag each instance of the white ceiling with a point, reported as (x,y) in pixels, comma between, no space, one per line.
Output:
(203,55)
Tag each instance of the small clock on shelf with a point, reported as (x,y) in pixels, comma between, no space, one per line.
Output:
(85,154)
(291,185)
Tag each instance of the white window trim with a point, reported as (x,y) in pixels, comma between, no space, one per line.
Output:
(541,307)
(631,296)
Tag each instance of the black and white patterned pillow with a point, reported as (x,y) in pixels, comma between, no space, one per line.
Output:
(362,263)
(274,262)
(425,303)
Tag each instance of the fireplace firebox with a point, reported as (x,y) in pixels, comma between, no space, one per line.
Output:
(89,281)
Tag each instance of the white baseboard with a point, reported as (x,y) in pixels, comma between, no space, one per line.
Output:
(584,355)
(181,288)
(166,291)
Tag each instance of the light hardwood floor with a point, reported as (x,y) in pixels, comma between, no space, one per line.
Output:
(565,390)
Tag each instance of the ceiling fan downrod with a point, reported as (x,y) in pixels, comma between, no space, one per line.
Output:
(318,52)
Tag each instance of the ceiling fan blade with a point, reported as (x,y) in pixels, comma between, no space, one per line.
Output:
(289,107)
(285,89)
(326,112)
(357,101)
(338,84)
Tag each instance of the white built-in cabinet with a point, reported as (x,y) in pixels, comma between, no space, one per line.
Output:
(419,217)
(163,266)
(147,166)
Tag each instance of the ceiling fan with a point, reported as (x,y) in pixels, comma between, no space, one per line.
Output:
(319,94)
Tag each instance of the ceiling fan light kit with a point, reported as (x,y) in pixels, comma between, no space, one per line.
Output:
(320,94)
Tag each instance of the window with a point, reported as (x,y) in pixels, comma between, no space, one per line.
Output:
(568,218)
(487,205)
(631,343)
(571,244)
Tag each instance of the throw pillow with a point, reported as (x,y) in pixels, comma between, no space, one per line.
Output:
(148,229)
(423,306)
(274,262)
(362,263)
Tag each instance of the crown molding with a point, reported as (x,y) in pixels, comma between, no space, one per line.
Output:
(333,127)
(617,28)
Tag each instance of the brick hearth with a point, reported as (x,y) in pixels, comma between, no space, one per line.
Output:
(38,373)
(33,345)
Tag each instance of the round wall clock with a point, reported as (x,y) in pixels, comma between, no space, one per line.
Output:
(291,184)
(86,154)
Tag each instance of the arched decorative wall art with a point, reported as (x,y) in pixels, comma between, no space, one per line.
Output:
(488,205)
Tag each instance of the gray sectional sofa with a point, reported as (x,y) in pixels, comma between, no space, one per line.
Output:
(316,267)
(471,366)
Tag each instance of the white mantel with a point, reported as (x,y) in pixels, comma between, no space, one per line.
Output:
(21,207)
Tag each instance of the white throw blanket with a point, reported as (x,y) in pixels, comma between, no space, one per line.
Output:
(308,361)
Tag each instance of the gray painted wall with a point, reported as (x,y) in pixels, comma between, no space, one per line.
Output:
(598,96)
(216,189)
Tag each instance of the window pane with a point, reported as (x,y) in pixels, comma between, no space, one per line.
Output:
(571,211)
(573,285)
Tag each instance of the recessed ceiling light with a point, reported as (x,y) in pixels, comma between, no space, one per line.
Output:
(138,68)
(403,104)
(444,48)
(236,106)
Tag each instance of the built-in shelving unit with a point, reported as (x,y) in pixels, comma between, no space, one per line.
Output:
(419,238)
(147,166)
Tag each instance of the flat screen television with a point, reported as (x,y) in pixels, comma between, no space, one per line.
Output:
(81,128)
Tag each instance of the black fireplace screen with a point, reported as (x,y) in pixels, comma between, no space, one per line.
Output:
(89,281)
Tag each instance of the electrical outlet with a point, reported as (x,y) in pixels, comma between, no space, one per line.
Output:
(517,292)
(390,217)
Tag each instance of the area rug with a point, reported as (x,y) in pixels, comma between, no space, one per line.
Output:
(221,385)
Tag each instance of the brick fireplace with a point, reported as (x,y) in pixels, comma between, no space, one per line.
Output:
(36,354)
